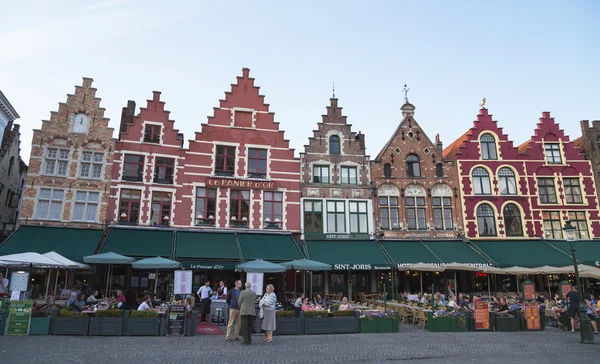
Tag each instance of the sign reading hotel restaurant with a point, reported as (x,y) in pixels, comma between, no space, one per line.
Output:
(477,265)
(360,267)
(419,235)
(240,183)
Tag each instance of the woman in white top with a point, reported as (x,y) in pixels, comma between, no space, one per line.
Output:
(453,303)
(345,306)
(92,298)
(268,303)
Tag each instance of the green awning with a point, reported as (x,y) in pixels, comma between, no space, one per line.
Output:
(270,247)
(139,242)
(455,251)
(202,246)
(349,255)
(523,253)
(404,252)
(587,251)
(71,243)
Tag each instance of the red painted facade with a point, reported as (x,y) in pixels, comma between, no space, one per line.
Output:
(527,191)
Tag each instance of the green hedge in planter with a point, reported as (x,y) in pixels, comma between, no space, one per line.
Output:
(109,313)
(107,323)
(290,323)
(287,313)
(65,322)
(71,314)
(143,314)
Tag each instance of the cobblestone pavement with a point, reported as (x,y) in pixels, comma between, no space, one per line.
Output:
(552,346)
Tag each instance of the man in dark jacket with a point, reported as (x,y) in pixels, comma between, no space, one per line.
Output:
(234,311)
(247,302)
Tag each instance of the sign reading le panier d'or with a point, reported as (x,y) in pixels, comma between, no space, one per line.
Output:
(240,183)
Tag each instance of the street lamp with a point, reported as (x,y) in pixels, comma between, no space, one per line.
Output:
(587,337)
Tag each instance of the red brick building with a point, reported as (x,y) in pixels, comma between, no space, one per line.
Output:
(527,191)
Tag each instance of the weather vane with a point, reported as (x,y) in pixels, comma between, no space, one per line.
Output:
(334,90)
(405,90)
(482,103)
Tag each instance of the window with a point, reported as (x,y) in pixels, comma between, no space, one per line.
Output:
(11,165)
(257,163)
(442,213)
(336,217)
(313,217)
(206,203)
(57,161)
(579,220)
(161,208)
(225,161)
(415,213)
(387,170)
(163,170)
(349,175)
(439,170)
(272,207)
(152,133)
(546,190)
(91,165)
(389,214)
(512,220)
(129,205)
(133,168)
(553,153)
(507,182)
(86,206)
(572,190)
(485,221)
(334,144)
(358,217)
(481,182)
(49,205)
(239,207)
(413,166)
(488,147)
(321,174)
(552,225)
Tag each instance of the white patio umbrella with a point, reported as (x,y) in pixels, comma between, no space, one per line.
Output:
(68,263)
(490,270)
(459,266)
(34,259)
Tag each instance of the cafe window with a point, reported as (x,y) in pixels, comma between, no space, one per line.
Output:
(152,133)
(552,225)
(442,213)
(415,213)
(206,204)
(56,162)
(86,206)
(225,160)
(387,170)
(163,170)
(486,222)
(313,216)
(321,174)
(91,165)
(572,190)
(129,205)
(133,168)
(579,220)
(553,153)
(239,207)
(49,204)
(488,147)
(507,182)
(439,170)
(349,175)
(389,213)
(336,217)
(413,166)
(334,144)
(272,207)
(481,182)
(512,220)
(358,217)
(161,208)
(257,163)
(546,190)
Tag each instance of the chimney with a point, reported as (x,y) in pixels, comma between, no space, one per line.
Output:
(438,144)
(360,138)
(127,116)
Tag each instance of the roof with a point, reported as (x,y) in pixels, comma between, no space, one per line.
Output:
(522,148)
(451,150)
(579,144)
(5,104)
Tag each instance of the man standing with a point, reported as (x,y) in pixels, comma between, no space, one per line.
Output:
(247,311)
(222,291)
(234,311)
(3,286)
(573,297)
(204,294)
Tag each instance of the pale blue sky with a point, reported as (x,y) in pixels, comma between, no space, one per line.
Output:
(525,57)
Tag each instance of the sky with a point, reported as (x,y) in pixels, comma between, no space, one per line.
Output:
(524,57)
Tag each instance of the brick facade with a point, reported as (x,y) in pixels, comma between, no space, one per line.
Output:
(589,144)
(70,165)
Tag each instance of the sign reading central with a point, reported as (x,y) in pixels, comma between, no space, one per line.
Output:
(240,183)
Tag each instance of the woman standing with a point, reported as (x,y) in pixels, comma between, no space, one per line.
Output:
(267,304)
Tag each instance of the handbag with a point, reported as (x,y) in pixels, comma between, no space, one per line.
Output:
(261,313)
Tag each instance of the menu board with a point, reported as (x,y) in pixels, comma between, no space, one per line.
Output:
(19,318)
(183,282)
(257,282)
(19,281)
(482,316)
(528,291)
(176,325)
(565,288)
(532,316)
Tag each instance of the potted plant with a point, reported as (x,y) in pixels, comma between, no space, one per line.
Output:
(65,322)
(40,323)
(459,321)
(316,322)
(107,323)
(142,323)
(344,322)
(290,322)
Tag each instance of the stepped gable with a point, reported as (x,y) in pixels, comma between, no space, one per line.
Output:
(548,130)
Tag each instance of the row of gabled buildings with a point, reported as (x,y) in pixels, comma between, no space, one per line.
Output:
(238,192)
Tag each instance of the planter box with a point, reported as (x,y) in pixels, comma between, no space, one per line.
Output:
(39,326)
(458,325)
(316,325)
(345,325)
(385,326)
(440,324)
(368,326)
(106,326)
(70,326)
(190,328)
(3,321)
(290,325)
(508,323)
(141,326)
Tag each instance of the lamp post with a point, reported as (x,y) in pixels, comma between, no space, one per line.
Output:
(587,336)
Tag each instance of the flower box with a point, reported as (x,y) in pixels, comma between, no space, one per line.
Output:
(508,323)
(368,327)
(65,322)
(39,326)
(442,321)
(290,323)
(107,323)
(344,322)
(142,323)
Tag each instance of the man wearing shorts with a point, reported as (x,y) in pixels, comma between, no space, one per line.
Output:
(573,298)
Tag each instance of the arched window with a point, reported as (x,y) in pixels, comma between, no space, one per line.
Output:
(512,220)
(488,147)
(439,170)
(413,166)
(485,221)
(334,144)
(11,165)
(506,181)
(387,170)
(481,182)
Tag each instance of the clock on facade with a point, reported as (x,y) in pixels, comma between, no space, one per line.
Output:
(81,123)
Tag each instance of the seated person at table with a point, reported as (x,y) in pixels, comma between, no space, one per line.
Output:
(345,306)
(453,303)
(121,300)
(92,299)
(145,305)
(320,301)
(515,307)
(188,304)
(305,305)
(72,298)
(502,307)
(438,299)
(78,304)
(495,303)
(424,299)
(176,300)
(298,303)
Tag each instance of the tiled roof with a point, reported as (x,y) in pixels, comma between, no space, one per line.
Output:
(522,148)
(451,150)
(579,143)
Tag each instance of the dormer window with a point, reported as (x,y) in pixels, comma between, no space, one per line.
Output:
(152,134)
(334,144)
(413,166)
(488,147)
(553,153)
